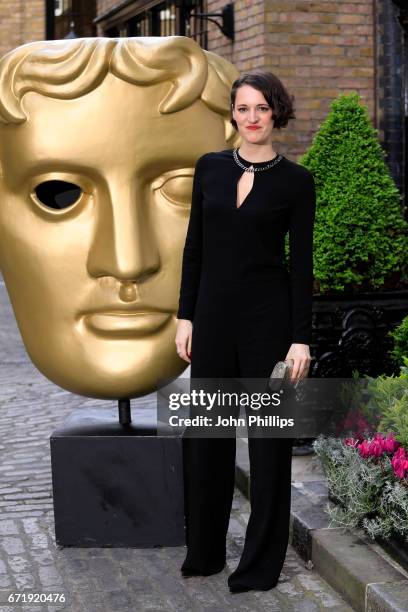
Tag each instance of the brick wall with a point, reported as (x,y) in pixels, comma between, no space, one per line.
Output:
(317,49)
(249,47)
(21,22)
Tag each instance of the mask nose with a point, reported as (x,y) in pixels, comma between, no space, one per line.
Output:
(124,244)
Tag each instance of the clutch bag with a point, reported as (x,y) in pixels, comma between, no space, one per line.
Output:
(280,376)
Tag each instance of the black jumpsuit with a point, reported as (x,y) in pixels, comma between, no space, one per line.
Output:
(247,308)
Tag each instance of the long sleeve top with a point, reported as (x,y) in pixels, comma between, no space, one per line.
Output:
(228,246)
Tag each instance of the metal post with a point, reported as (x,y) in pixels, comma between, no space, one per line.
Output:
(124,411)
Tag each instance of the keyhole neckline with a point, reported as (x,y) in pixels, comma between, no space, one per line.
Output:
(238,206)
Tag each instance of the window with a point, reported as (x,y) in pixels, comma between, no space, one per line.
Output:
(169,18)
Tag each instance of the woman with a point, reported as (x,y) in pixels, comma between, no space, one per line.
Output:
(240,312)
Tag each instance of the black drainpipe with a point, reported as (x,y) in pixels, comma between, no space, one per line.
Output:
(391,84)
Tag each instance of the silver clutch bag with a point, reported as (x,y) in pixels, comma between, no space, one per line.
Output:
(280,376)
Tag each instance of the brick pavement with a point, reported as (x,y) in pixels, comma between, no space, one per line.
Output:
(102,579)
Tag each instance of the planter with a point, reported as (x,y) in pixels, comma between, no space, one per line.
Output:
(380,501)
(395,546)
(350,332)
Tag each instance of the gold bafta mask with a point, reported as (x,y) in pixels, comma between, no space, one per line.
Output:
(98,141)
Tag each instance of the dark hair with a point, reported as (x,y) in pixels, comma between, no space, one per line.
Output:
(274,93)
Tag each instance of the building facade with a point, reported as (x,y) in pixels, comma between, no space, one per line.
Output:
(20,22)
(318,49)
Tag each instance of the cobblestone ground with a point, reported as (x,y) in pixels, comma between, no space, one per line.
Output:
(102,579)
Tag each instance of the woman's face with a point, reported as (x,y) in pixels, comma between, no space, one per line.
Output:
(253,115)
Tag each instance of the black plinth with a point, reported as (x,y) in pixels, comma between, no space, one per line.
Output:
(116,485)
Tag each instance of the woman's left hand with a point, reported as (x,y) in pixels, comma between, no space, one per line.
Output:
(300,355)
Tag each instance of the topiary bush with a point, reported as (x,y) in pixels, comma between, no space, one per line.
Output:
(360,238)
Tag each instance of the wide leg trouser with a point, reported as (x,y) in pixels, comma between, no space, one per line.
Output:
(247,345)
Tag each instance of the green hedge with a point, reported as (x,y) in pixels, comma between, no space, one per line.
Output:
(361,238)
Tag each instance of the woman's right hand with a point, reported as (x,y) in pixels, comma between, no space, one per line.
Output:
(184,336)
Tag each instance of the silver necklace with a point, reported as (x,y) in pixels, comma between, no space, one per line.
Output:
(252,168)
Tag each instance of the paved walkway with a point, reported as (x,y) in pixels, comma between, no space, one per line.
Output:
(102,579)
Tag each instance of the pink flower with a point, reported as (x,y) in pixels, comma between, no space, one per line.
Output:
(376,447)
(390,443)
(387,444)
(373,447)
(364,449)
(399,462)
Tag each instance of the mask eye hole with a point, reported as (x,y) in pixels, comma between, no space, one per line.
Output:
(58,194)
